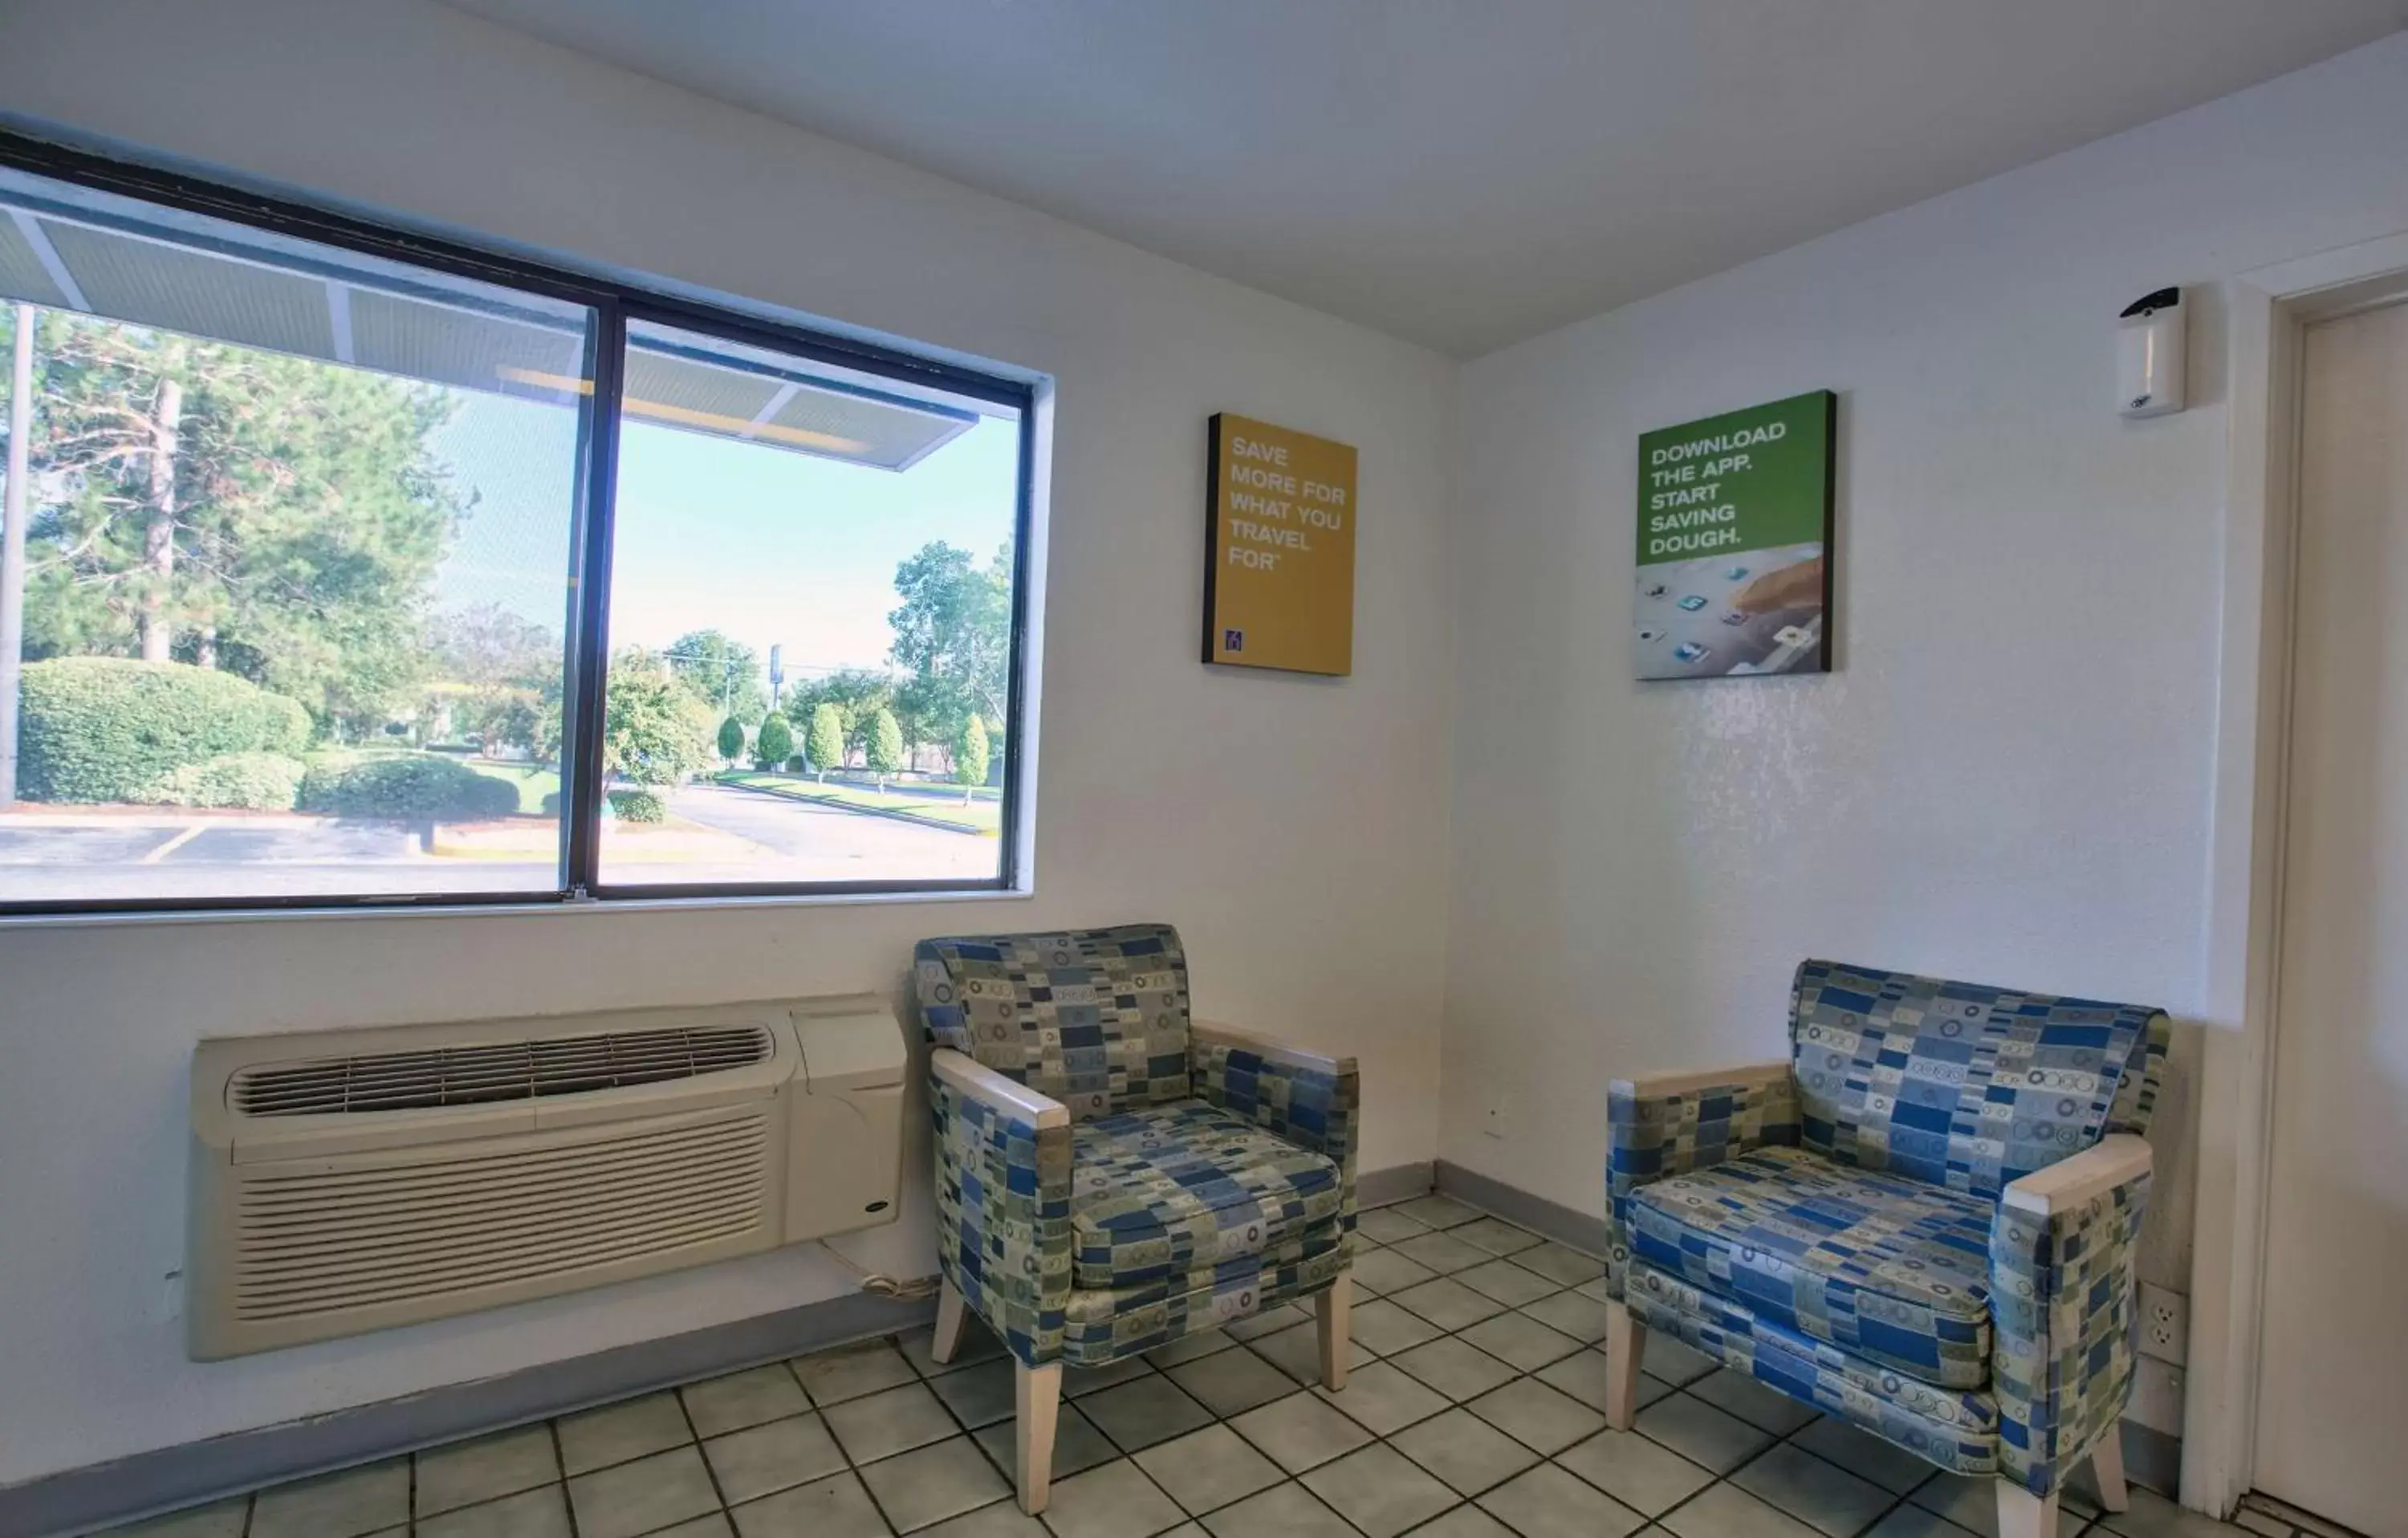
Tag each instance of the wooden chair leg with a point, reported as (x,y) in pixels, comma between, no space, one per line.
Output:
(2107,1467)
(1626,1343)
(2024,1515)
(1037,1394)
(951,1317)
(1331,1311)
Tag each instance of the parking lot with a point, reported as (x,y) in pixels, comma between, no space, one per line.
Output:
(716,835)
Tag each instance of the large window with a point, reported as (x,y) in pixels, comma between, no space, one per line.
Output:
(341,567)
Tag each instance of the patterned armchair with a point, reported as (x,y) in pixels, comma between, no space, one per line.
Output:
(1111,1175)
(1922,1221)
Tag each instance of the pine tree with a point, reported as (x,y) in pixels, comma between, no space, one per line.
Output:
(775,743)
(970,755)
(731,739)
(825,746)
(886,747)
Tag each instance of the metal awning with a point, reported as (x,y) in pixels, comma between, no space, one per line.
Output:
(205,282)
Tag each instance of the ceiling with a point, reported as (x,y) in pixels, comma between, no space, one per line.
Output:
(1463,173)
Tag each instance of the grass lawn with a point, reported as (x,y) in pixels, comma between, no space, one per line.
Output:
(934,803)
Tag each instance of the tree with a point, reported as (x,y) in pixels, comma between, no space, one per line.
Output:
(857,693)
(274,517)
(776,743)
(952,632)
(496,666)
(731,739)
(969,755)
(825,746)
(724,673)
(886,747)
(654,731)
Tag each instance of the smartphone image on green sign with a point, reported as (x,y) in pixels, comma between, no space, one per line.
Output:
(1734,530)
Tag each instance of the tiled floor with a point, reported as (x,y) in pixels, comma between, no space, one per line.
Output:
(1471,1413)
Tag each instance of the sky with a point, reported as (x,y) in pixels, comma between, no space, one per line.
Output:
(767,544)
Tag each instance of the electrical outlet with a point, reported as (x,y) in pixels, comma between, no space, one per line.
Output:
(1500,1117)
(2157,1396)
(2165,1324)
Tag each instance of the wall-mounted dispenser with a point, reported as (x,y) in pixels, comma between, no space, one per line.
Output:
(2149,355)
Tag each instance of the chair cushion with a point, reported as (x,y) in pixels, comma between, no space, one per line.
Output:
(1162,1190)
(1103,1324)
(1891,1270)
(1095,1018)
(1961,1084)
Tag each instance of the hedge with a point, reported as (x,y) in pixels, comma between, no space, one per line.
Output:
(258,782)
(640,806)
(422,785)
(111,728)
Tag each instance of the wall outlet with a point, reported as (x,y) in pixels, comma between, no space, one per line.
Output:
(2165,1324)
(2157,1396)
(1498,1118)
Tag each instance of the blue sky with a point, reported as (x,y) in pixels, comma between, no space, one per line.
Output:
(766,545)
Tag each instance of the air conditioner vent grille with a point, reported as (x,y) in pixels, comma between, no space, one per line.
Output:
(368,1234)
(497,1071)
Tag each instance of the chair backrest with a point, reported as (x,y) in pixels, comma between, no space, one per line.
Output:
(1095,1018)
(1960,1084)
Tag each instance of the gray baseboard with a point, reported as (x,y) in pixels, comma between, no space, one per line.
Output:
(1397,1182)
(1564,1225)
(125,1489)
(103,1494)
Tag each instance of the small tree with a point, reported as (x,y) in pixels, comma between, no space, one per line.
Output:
(825,746)
(775,743)
(970,755)
(731,739)
(886,747)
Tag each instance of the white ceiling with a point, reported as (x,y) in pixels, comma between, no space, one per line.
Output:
(1464,173)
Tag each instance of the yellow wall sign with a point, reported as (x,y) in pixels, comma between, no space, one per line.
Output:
(1280,589)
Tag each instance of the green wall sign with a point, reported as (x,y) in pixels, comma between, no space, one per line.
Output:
(1734,542)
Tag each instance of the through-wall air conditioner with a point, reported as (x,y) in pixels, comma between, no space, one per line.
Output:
(349,1181)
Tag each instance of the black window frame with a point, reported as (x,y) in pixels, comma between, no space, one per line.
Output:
(586,639)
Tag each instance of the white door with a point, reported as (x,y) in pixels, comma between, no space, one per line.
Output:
(2332,1411)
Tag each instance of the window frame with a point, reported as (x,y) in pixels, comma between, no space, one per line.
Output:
(585,642)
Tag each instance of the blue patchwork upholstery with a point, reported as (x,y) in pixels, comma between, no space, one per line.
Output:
(1837,1232)
(1959,1084)
(1186,1192)
(1163,1190)
(1095,1018)
(1884,1268)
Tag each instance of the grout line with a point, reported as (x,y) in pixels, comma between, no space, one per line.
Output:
(560,1462)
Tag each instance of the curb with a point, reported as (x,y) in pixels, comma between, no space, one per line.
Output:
(889,813)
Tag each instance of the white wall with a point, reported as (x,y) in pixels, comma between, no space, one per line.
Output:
(1294,830)
(2008,777)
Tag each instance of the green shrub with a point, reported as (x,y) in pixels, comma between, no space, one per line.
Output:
(420,785)
(731,739)
(256,781)
(109,728)
(775,742)
(640,806)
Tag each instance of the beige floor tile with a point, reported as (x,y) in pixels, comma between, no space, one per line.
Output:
(462,1474)
(849,1373)
(1301,1431)
(1536,1416)
(919,1488)
(336,1505)
(1230,1383)
(1547,1503)
(892,1420)
(621,1433)
(730,1404)
(218,1519)
(1207,1470)
(627,1499)
(1725,1511)
(1117,1500)
(1821,1495)
(1380,1490)
(1646,1477)
(530,1514)
(1520,1341)
(1468,1455)
(762,1459)
(834,1507)
(1383,1398)
(1284,1511)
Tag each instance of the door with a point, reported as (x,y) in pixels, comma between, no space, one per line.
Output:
(2332,1410)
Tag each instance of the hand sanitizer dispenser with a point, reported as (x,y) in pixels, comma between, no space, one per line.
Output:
(2149,355)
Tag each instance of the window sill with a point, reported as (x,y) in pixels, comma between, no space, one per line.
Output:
(500,910)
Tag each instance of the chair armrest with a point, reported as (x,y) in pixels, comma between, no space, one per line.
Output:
(2061,1305)
(1003,1201)
(1308,1098)
(1672,1124)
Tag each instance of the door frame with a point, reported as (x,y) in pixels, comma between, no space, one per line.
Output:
(2267,312)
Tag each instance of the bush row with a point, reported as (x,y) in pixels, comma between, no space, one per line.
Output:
(113,730)
(255,782)
(405,785)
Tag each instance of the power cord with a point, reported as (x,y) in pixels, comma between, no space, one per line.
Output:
(911,1290)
